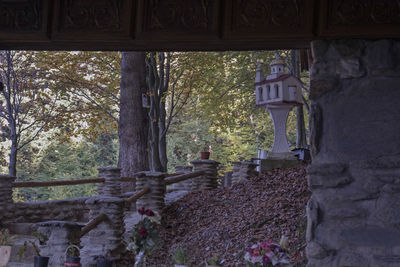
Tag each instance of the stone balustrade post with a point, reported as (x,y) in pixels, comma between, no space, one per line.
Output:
(59,235)
(227,179)
(155,199)
(183,185)
(112,184)
(107,237)
(243,171)
(209,180)
(6,200)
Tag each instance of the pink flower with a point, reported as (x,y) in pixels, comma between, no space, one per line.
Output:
(149,213)
(141,211)
(256,252)
(266,259)
(142,232)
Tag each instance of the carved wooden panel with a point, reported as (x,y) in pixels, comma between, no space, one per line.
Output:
(88,19)
(263,19)
(23,19)
(355,18)
(178,19)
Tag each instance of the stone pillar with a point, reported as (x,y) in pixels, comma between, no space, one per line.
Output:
(112,185)
(353,214)
(209,180)
(107,236)
(59,235)
(280,148)
(6,200)
(153,200)
(243,171)
(184,185)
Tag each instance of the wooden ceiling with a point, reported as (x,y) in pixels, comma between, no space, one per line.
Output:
(191,24)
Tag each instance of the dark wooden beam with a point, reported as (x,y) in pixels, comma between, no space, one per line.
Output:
(183,25)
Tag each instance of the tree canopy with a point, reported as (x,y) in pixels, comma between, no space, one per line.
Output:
(207,100)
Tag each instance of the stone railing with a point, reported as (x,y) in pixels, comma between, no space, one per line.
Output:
(106,215)
(243,170)
(61,210)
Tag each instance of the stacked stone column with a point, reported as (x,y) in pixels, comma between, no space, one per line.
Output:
(243,171)
(153,200)
(112,183)
(183,185)
(106,237)
(6,201)
(209,180)
(353,214)
(59,236)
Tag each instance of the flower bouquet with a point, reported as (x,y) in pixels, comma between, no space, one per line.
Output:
(268,254)
(144,235)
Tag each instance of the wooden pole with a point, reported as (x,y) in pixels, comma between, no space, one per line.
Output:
(137,195)
(182,177)
(75,182)
(93,223)
(58,183)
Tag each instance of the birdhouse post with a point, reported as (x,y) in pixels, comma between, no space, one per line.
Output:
(278,92)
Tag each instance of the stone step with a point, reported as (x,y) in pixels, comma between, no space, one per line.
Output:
(19,264)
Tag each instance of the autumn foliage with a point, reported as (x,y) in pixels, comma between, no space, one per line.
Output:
(225,222)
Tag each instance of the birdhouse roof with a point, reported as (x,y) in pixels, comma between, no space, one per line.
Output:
(280,102)
(280,78)
(277,61)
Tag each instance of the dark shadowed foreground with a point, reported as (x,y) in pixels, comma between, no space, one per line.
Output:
(224,222)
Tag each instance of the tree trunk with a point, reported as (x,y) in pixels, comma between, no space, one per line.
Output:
(301,140)
(162,142)
(12,166)
(133,121)
(155,150)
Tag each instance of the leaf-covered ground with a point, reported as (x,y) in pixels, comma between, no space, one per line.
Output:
(224,222)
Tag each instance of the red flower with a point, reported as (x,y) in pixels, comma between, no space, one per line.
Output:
(141,211)
(142,232)
(149,213)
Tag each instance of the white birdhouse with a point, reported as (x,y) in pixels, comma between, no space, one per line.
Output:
(278,87)
(279,92)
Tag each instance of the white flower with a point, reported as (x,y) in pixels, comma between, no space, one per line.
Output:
(132,246)
(256,259)
(247,256)
(156,218)
(283,241)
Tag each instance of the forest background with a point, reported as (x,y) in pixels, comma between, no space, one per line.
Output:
(67,111)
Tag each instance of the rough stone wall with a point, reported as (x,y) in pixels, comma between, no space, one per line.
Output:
(6,201)
(61,210)
(353,218)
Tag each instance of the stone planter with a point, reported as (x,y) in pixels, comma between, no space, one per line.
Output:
(41,261)
(73,262)
(5,252)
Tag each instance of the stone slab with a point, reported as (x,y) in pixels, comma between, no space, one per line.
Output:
(269,164)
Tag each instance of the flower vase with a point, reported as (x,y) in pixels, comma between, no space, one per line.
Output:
(5,252)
